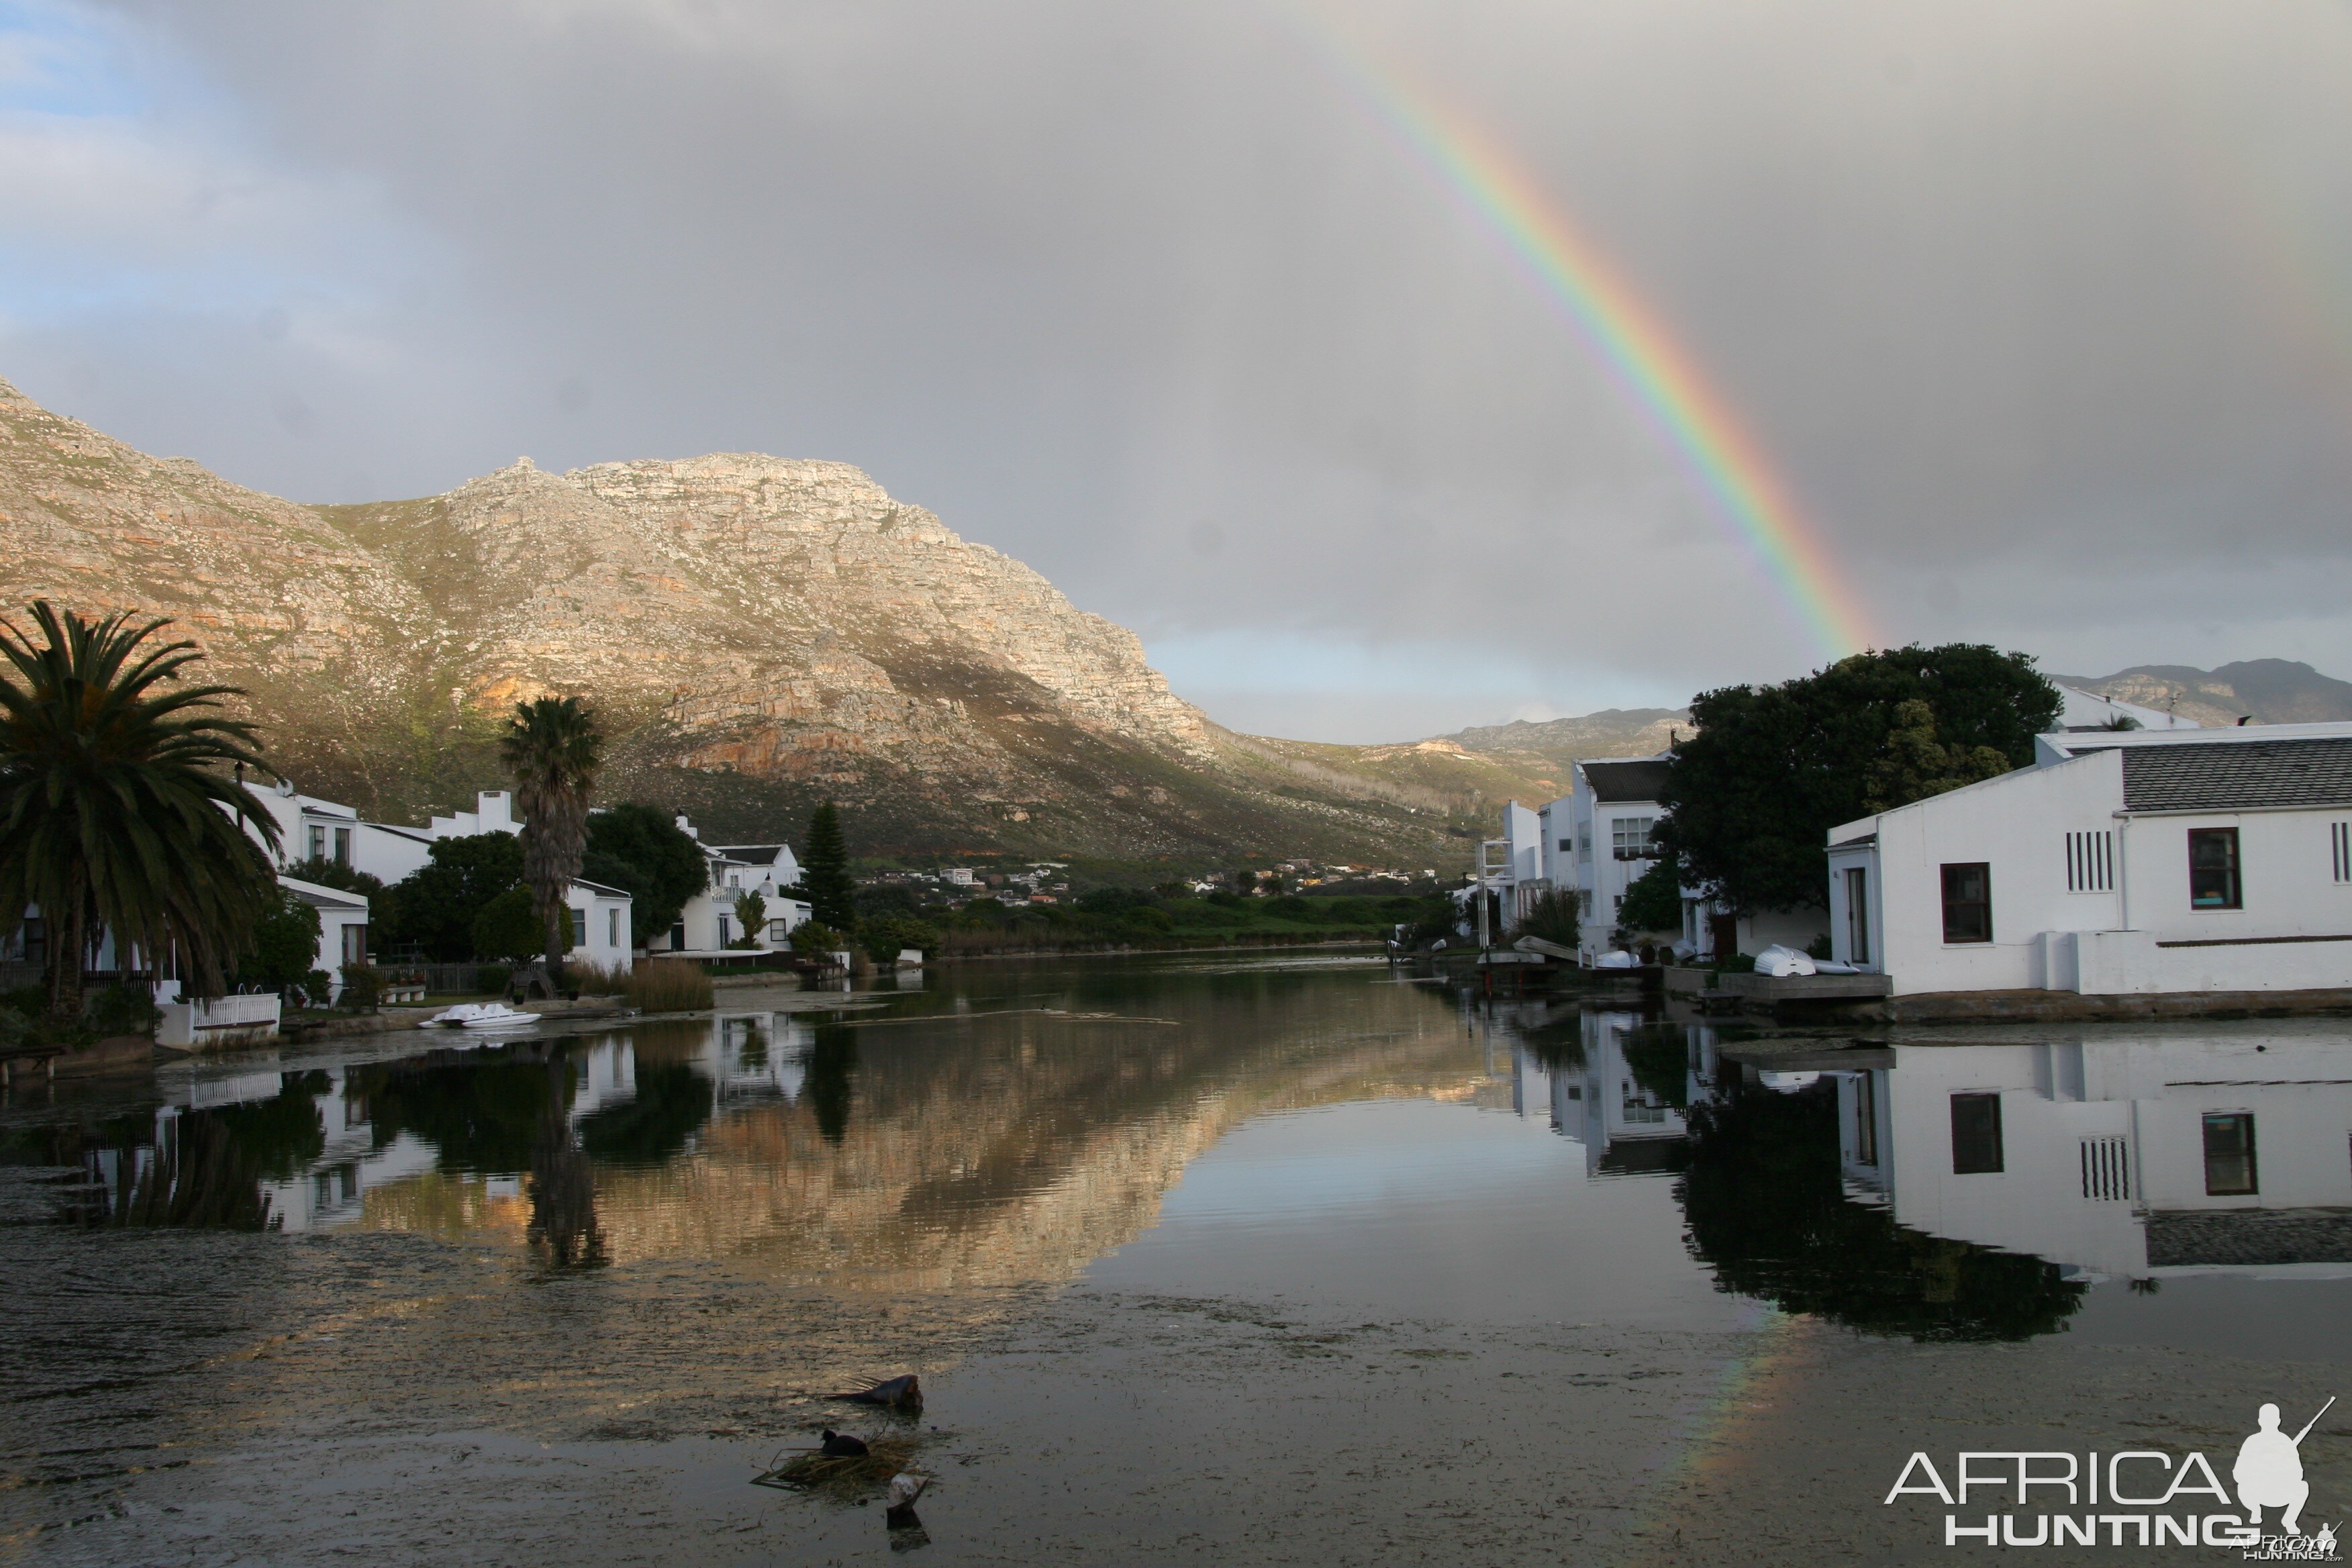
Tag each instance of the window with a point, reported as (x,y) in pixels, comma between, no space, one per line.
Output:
(579,928)
(1629,836)
(1857,915)
(355,944)
(2213,869)
(1976,1134)
(342,845)
(1967,902)
(2339,848)
(2091,862)
(611,928)
(318,843)
(1866,1118)
(724,937)
(677,937)
(2230,1155)
(1567,844)
(779,930)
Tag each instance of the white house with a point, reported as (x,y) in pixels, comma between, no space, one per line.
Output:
(2130,861)
(342,924)
(1598,841)
(2081,710)
(310,828)
(708,924)
(2115,1156)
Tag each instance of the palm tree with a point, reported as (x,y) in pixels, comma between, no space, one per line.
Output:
(554,747)
(118,808)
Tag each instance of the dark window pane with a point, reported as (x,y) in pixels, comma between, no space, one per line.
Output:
(2230,1155)
(1967,902)
(2214,868)
(1976,1134)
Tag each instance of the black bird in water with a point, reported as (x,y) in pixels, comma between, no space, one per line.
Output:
(842,1445)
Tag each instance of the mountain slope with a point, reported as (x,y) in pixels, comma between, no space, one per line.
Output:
(2270,691)
(761,633)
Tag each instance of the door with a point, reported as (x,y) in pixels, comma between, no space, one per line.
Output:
(1857,915)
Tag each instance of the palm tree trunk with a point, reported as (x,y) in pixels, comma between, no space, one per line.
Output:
(559,942)
(67,939)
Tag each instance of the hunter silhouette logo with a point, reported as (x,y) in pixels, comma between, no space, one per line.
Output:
(2269,1471)
(2268,1475)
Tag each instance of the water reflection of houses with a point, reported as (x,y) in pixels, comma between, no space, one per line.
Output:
(1610,1081)
(2115,1157)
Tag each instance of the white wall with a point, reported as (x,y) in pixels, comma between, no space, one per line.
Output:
(2018,825)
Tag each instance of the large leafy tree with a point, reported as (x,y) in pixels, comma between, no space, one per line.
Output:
(434,906)
(643,851)
(1753,795)
(556,749)
(120,803)
(831,893)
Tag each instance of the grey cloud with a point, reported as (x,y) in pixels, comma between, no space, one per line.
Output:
(2043,308)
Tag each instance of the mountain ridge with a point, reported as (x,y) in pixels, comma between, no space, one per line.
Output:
(761,633)
(2266,690)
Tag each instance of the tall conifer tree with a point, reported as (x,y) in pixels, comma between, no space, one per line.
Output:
(825,872)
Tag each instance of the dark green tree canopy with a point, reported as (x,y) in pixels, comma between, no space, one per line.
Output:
(508,926)
(285,946)
(1915,764)
(1752,795)
(643,851)
(825,881)
(1654,900)
(434,907)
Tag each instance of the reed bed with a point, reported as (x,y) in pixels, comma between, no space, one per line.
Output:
(667,985)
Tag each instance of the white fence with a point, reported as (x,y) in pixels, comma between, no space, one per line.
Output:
(222,1022)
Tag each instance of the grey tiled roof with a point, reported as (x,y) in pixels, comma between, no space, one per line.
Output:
(1634,781)
(2238,775)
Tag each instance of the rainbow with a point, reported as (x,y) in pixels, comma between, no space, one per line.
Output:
(1663,376)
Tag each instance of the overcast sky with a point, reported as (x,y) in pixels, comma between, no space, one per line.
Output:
(2041,310)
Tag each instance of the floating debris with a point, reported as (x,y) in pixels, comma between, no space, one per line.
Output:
(896,1394)
(847,1477)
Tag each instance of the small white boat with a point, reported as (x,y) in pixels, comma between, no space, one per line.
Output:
(478,1015)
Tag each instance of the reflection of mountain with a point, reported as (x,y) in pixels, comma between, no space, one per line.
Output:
(907,1154)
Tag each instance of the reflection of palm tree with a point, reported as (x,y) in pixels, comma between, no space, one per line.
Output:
(556,749)
(113,793)
(563,1181)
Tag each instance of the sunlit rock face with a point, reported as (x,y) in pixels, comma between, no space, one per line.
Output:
(761,633)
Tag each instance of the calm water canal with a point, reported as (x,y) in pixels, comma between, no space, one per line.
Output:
(1296,1261)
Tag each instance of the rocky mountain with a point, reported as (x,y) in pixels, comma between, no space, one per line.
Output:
(760,632)
(2269,691)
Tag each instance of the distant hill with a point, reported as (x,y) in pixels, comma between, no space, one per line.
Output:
(2271,690)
